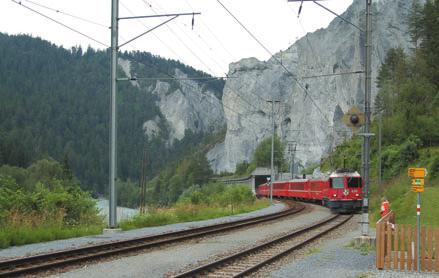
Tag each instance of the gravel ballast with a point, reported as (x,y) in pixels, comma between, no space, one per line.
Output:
(44,247)
(164,261)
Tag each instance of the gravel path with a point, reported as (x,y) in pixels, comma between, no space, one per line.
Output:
(31,249)
(332,257)
(161,262)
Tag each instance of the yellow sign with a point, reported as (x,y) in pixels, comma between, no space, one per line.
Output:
(418,182)
(417,173)
(416,188)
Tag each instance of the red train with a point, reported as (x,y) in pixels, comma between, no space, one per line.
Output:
(341,191)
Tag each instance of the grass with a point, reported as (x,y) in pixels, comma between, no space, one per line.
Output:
(186,213)
(19,229)
(364,248)
(313,250)
(403,201)
(14,236)
(364,275)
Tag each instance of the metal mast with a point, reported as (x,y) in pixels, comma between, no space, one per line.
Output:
(367,101)
(272,148)
(113,87)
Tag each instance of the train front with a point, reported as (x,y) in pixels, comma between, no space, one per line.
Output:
(345,192)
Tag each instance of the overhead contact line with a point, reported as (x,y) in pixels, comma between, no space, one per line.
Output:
(276,59)
(60,23)
(68,14)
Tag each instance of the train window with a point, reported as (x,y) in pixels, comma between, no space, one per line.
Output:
(354,182)
(337,183)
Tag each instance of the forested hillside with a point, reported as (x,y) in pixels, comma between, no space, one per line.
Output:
(54,102)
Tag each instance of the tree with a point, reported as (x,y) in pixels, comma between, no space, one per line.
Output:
(262,154)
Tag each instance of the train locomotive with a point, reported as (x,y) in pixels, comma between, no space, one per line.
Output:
(341,191)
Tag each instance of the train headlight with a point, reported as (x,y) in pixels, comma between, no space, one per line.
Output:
(357,195)
(334,195)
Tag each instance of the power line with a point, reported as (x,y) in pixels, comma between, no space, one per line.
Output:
(171,77)
(154,34)
(68,14)
(210,95)
(275,58)
(213,35)
(238,95)
(60,23)
(339,16)
(332,74)
(183,43)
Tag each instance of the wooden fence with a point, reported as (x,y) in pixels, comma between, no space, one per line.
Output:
(396,246)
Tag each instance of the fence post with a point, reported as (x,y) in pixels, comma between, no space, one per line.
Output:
(395,247)
(402,248)
(436,240)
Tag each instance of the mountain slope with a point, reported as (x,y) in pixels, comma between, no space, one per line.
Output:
(55,102)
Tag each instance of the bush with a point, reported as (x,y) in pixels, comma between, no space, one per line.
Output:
(241,168)
(52,208)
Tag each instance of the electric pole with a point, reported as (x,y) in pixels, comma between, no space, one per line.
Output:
(112,215)
(272,101)
(380,123)
(113,87)
(292,148)
(367,134)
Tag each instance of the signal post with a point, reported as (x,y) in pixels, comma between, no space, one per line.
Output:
(418,175)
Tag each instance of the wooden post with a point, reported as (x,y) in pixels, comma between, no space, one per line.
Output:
(423,248)
(436,254)
(430,248)
(402,256)
(415,261)
(389,245)
(382,235)
(409,248)
(378,246)
(395,247)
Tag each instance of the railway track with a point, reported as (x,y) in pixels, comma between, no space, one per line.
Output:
(33,264)
(243,263)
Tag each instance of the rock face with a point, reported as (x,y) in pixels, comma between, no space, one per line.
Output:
(310,109)
(183,107)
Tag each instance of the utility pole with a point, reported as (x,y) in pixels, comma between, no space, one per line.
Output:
(367,135)
(112,220)
(113,87)
(380,123)
(292,148)
(272,101)
(143,179)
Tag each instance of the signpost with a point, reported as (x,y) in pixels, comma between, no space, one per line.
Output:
(418,175)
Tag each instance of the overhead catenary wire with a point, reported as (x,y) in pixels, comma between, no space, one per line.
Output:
(60,23)
(276,59)
(243,99)
(154,34)
(209,95)
(193,78)
(213,35)
(68,14)
(182,41)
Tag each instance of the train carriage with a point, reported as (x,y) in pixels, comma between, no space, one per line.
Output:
(341,191)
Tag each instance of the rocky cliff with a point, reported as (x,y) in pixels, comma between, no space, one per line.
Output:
(184,105)
(310,108)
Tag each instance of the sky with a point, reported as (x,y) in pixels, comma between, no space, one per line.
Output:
(215,41)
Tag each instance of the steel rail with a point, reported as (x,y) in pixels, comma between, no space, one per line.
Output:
(227,261)
(32,264)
